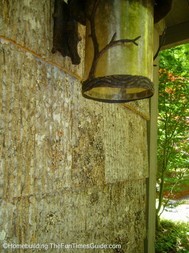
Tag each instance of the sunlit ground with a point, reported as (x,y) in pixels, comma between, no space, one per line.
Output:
(178,213)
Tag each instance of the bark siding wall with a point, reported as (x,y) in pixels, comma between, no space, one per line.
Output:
(72,170)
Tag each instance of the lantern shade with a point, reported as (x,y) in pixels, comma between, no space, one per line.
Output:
(119,50)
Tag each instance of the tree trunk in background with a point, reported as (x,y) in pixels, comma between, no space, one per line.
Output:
(72,170)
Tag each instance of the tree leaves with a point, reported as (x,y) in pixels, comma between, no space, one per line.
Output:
(173,121)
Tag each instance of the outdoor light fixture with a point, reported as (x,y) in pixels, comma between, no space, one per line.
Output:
(119,46)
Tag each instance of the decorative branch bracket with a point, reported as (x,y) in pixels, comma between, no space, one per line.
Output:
(65,34)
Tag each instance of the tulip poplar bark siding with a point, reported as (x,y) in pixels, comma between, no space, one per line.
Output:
(72,170)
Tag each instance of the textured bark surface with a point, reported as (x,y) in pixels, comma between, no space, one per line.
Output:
(72,170)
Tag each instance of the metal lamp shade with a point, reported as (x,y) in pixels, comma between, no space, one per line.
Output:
(119,50)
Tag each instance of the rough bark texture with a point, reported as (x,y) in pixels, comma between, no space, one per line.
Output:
(72,170)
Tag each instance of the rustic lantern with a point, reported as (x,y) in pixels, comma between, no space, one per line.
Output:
(119,46)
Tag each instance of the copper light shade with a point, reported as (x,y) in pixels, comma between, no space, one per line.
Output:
(119,46)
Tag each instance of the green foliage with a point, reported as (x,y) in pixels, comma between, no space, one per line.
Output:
(176,60)
(173,123)
(172,237)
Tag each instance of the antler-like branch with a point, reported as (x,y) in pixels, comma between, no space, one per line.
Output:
(112,43)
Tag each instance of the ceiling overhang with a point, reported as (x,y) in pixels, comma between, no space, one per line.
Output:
(177,24)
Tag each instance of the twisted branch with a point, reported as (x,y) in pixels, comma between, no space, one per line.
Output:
(98,53)
(161,43)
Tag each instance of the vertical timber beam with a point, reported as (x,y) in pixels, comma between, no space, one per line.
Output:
(152,140)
